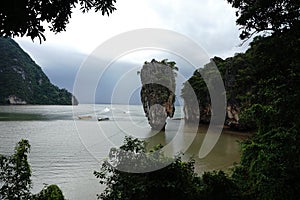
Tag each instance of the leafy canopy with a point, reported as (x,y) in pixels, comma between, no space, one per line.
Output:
(51,192)
(270,162)
(262,15)
(25,18)
(175,181)
(270,165)
(15,173)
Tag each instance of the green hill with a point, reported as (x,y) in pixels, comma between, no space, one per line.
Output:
(267,74)
(22,81)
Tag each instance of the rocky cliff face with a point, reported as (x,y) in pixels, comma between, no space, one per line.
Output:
(158,92)
(201,111)
(14,100)
(22,81)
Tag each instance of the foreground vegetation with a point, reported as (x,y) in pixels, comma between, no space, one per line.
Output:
(269,169)
(15,173)
(176,180)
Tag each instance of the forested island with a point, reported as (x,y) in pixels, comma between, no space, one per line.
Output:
(22,81)
(265,77)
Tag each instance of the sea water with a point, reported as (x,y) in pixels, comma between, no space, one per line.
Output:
(65,150)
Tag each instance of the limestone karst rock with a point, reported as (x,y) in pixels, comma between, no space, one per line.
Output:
(200,110)
(158,92)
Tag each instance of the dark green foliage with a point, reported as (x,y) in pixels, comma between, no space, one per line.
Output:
(26,18)
(217,186)
(265,83)
(278,76)
(267,74)
(15,173)
(51,192)
(270,162)
(270,165)
(239,81)
(199,89)
(262,15)
(22,77)
(176,180)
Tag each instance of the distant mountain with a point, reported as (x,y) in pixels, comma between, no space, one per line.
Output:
(22,81)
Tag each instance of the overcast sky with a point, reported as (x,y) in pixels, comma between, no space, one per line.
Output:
(210,23)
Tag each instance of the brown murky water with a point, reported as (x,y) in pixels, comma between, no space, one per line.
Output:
(66,150)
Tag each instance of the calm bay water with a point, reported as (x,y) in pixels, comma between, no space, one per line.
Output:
(66,150)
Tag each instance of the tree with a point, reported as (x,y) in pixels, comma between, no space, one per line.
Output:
(270,161)
(175,181)
(51,192)
(270,165)
(15,176)
(261,15)
(266,83)
(25,17)
(15,173)
(217,185)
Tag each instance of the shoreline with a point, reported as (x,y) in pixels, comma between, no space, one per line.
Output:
(242,135)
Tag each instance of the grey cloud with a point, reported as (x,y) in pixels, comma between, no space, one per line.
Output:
(211,23)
